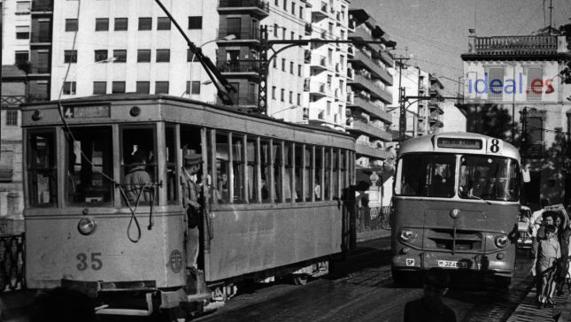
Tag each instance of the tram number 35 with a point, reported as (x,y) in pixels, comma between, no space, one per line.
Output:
(93,261)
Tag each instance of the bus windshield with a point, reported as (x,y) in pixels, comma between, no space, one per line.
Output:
(427,175)
(488,178)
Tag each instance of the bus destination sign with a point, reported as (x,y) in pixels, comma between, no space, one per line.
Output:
(87,111)
(459,143)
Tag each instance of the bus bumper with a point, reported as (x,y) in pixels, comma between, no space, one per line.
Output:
(496,263)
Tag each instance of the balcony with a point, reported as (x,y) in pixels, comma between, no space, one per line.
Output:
(317,89)
(307,56)
(359,34)
(350,98)
(239,68)
(360,59)
(338,69)
(386,57)
(434,106)
(257,8)
(362,127)
(321,11)
(338,94)
(369,151)
(318,63)
(369,107)
(434,122)
(511,47)
(350,51)
(350,73)
(240,37)
(361,81)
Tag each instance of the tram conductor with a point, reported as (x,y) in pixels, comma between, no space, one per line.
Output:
(190,198)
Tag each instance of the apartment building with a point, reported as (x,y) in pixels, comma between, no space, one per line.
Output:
(370,89)
(520,78)
(326,70)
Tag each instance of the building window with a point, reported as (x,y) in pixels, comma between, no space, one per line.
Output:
(276,62)
(535,87)
(121,24)
(101,24)
(282,96)
(22,32)
(298,70)
(71,25)
(292,35)
(291,97)
(120,55)
(163,23)
(301,12)
(299,99)
(163,55)
(189,56)
(285,5)
(273,92)
(276,2)
(293,9)
(12,118)
(284,32)
(100,55)
(145,23)
(161,87)
(99,88)
(143,87)
(291,68)
(283,64)
(193,87)
(69,88)
(70,56)
(276,30)
(143,56)
(195,22)
(23,7)
(118,87)
(495,75)
(21,57)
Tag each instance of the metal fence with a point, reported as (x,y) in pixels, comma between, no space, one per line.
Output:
(12,256)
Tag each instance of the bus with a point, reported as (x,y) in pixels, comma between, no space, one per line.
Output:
(456,201)
(270,195)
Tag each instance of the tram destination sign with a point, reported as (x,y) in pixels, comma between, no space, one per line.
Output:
(459,143)
(87,111)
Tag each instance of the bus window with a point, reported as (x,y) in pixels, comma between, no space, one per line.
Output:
(139,158)
(426,175)
(490,178)
(238,180)
(222,167)
(89,166)
(170,153)
(41,169)
(266,167)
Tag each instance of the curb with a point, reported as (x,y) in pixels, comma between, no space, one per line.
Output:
(527,310)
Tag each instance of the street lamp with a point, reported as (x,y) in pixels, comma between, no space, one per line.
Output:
(293,107)
(206,82)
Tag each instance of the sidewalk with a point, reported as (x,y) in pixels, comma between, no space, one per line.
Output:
(527,311)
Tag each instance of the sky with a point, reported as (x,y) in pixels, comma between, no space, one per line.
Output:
(435,32)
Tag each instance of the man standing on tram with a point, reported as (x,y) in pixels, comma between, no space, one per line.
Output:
(190,199)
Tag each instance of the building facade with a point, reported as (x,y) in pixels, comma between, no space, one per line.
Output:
(370,85)
(518,77)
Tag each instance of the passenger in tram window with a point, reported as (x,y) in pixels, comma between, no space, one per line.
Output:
(138,180)
(191,203)
(222,188)
(317,190)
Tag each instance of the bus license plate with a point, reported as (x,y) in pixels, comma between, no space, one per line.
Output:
(448,264)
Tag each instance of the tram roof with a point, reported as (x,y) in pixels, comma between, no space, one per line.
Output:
(428,144)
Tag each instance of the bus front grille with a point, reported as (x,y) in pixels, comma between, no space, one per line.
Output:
(443,239)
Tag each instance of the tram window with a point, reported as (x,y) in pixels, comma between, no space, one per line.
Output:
(251,175)
(299,170)
(222,167)
(343,170)
(41,169)
(327,173)
(238,180)
(266,167)
(288,158)
(490,178)
(278,154)
(307,173)
(426,175)
(190,141)
(335,174)
(89,166)
(170,153)
(318,172)
(139,157)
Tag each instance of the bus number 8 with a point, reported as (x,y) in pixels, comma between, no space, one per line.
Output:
(83,264)
(495,147)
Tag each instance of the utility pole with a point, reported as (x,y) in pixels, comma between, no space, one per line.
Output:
(523,139)
(402,94)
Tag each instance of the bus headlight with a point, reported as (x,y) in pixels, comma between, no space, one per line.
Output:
(502,241)
(86,226)
(407,235)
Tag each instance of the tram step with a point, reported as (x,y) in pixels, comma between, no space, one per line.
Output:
(146,311)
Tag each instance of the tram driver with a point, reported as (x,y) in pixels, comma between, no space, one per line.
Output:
(190,198)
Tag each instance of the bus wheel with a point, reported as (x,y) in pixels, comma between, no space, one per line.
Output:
(300,279)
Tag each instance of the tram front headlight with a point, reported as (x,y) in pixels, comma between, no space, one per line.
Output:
(86,226)
(407,235)
(502,241)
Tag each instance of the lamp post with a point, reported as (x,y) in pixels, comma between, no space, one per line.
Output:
(293,107)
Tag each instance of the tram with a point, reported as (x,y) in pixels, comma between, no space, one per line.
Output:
(271,199)
(456,206)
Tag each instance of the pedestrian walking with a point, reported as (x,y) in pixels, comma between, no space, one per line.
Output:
(564,272)
(548,254)
(430,307)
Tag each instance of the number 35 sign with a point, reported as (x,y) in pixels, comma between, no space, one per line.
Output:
(495,146)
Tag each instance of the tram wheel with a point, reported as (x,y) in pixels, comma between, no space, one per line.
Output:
(300,279)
